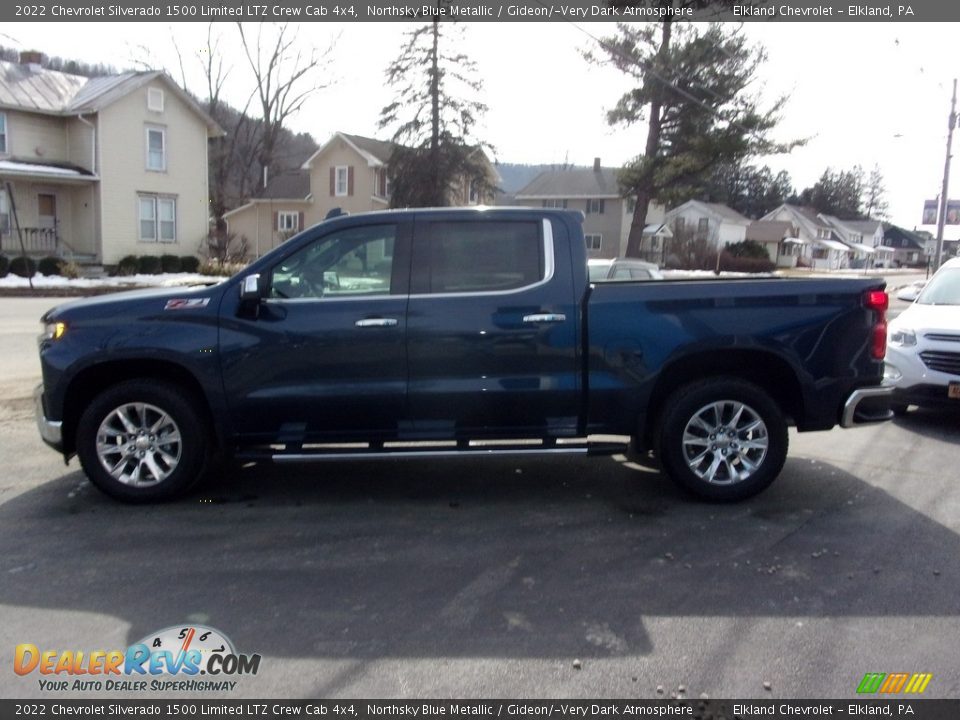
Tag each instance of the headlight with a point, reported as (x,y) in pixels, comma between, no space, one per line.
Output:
(903,337)
(53,330)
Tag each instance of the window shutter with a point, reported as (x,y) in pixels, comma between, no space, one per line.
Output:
(333,181)
(588,207)
(350,180)
(300,219)
(276,221)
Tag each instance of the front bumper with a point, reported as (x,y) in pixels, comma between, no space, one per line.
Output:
(51,431)
(867,405)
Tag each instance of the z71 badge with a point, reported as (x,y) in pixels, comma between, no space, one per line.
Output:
(186,303)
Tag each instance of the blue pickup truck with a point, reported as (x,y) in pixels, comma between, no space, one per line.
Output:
(429,333)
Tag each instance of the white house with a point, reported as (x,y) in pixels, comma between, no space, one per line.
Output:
(715,222)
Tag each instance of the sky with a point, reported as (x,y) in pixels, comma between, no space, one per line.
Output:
(873,94)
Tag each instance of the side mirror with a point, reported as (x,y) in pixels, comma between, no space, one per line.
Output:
(250,289)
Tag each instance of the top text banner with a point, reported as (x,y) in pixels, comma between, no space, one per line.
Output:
(475,10)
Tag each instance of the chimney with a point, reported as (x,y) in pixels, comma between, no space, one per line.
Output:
(31,58)
(596,164)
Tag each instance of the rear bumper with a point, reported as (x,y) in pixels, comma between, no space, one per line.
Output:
(865,406)
(925,395)
(50,430)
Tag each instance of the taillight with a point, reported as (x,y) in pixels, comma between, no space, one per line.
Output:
(878,301)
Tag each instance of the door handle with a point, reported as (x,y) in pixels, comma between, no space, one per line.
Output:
(376,323)
(544,318)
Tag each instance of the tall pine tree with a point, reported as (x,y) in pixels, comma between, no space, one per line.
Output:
(434,113)
(694,91)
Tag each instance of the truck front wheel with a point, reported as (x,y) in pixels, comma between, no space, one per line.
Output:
(142,441)
(722,438)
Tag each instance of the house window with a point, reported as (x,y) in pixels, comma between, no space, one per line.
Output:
(555,203)
(679,225)
(158,218)
(4,212)
(703,226)
(342,181)
(3,132)
(383,184)
(595,207)
(594,242)
(155,100)
(288,221)
(474,197)
(156,149)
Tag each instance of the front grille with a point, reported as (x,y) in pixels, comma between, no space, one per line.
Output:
(945,362)
(942,337)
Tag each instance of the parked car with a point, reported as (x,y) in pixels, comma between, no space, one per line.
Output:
(431,333)
(622,269)
(923,349)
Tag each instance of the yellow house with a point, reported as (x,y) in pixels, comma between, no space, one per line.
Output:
(349,173)
(94,169)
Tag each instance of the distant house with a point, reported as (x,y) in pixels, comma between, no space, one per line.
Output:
(714,222)
(865,239)
(596,193)
(821,246)
(100,167)
(907,248)
(779,238)
(348,172)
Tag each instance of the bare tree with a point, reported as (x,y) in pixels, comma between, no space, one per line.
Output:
(286,76)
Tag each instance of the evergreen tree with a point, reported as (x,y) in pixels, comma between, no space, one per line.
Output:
(837,193)
(434,113)
(694,92)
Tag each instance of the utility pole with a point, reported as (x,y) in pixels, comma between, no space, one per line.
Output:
(946,177)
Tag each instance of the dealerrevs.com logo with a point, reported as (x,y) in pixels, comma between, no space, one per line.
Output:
(894,683)
(173,659)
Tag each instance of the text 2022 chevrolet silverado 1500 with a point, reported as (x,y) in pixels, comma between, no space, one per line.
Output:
(436,332)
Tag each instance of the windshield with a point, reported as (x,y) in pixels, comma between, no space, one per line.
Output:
(943,289)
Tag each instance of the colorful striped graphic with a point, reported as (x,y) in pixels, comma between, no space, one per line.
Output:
(893,683)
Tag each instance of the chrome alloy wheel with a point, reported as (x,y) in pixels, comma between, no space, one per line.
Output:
(725,442)
(139,444)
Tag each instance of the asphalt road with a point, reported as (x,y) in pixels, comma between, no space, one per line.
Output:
(498,578)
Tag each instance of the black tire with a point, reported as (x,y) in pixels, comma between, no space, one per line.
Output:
(152,438)
(737,440)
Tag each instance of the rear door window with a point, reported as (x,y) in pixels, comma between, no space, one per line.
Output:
(477,256)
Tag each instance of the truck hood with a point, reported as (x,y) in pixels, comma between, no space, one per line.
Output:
(133,303)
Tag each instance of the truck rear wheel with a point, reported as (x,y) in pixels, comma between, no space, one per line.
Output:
(722,438)
(142,441)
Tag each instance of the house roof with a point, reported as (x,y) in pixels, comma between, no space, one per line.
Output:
(42,169)
(865,227)
(770,230)
(375,152)
(380,149)
(716,210)
(574,183)
(806,214)
(287,186)
(33,89)
(897,237)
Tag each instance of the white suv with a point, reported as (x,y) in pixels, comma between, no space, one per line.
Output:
(923,345)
